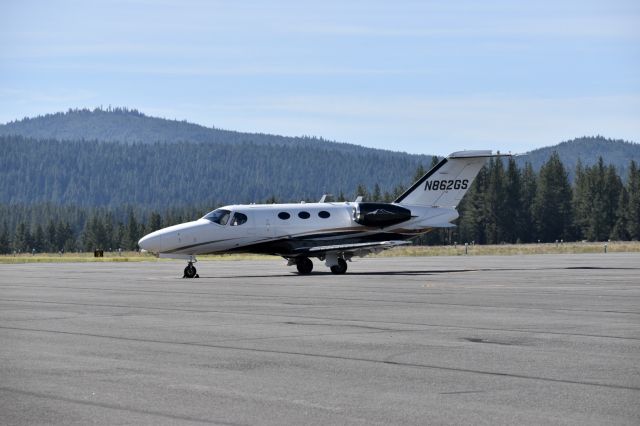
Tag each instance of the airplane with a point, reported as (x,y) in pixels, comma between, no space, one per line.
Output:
(333,232)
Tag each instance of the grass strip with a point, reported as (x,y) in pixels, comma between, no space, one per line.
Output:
(414,251)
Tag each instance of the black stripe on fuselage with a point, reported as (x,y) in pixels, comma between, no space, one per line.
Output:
(317,236)
(421,180)
(198,245)
(291,247)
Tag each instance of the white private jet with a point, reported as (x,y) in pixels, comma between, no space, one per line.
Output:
(331,232)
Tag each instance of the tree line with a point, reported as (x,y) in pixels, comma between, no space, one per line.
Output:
(509,204)
(58,228)
(505,204)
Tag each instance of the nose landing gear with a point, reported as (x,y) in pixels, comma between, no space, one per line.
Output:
(190,271)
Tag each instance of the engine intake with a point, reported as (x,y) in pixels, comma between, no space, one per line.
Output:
(380,214)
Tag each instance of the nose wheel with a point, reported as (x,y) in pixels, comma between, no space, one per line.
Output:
(190,271)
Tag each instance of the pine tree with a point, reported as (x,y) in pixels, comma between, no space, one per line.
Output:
(133,233)
(361,191)
(5,244)
(633,209)
(513,206)
(109,232)
(22,238)
(494,202)
(620,228)
(155,222)
(94,235)
(39,240)
(420,171)
(398,190)
(613,189)
(50,238)
(580,200)
(61,236)
(66,238)
(120,240)
(596,197)
(552,206)
(529,189)
(377,194)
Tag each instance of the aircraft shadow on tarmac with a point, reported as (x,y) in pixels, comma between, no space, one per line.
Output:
(410,272)
(370,273)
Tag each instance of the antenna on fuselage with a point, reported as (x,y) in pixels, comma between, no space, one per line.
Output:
(324,198)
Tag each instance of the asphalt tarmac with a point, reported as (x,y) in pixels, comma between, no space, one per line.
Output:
(552,339)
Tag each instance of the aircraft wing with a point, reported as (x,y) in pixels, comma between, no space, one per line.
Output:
(360,249)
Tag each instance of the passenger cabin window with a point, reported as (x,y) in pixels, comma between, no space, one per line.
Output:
(304,215)
(324,214)
(219,216)
(238,219)
(284,215)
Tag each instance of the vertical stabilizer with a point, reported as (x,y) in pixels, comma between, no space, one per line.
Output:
(446,183)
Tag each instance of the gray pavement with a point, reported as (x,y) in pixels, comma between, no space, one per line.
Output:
(442,340)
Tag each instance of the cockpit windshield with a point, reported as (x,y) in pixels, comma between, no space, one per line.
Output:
(219,216)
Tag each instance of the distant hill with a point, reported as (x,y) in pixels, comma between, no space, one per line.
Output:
(121,156)
(131,126)
(587,150)
(93,173)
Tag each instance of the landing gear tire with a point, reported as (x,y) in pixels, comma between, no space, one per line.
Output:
(304,265)
(340,268)
(190,271)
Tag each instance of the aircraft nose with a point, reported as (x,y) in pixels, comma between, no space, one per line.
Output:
(151,242)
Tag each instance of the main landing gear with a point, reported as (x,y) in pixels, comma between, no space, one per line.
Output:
(304,265)
(336,262)
(338,265)
(190,271)
(340,268)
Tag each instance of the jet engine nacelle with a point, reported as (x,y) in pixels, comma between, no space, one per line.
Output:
(380,215)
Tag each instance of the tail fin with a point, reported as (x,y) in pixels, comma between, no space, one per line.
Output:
(446,183)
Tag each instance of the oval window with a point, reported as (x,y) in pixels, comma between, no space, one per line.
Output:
(304,215)
(324,214)
(238,219)
(284,215)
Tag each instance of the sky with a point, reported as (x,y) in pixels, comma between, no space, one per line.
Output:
(428,77)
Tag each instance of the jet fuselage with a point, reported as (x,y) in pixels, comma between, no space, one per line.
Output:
(287,229)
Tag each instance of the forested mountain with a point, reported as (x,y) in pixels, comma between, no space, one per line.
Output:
(131,126)
(586,150)
(159,175)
